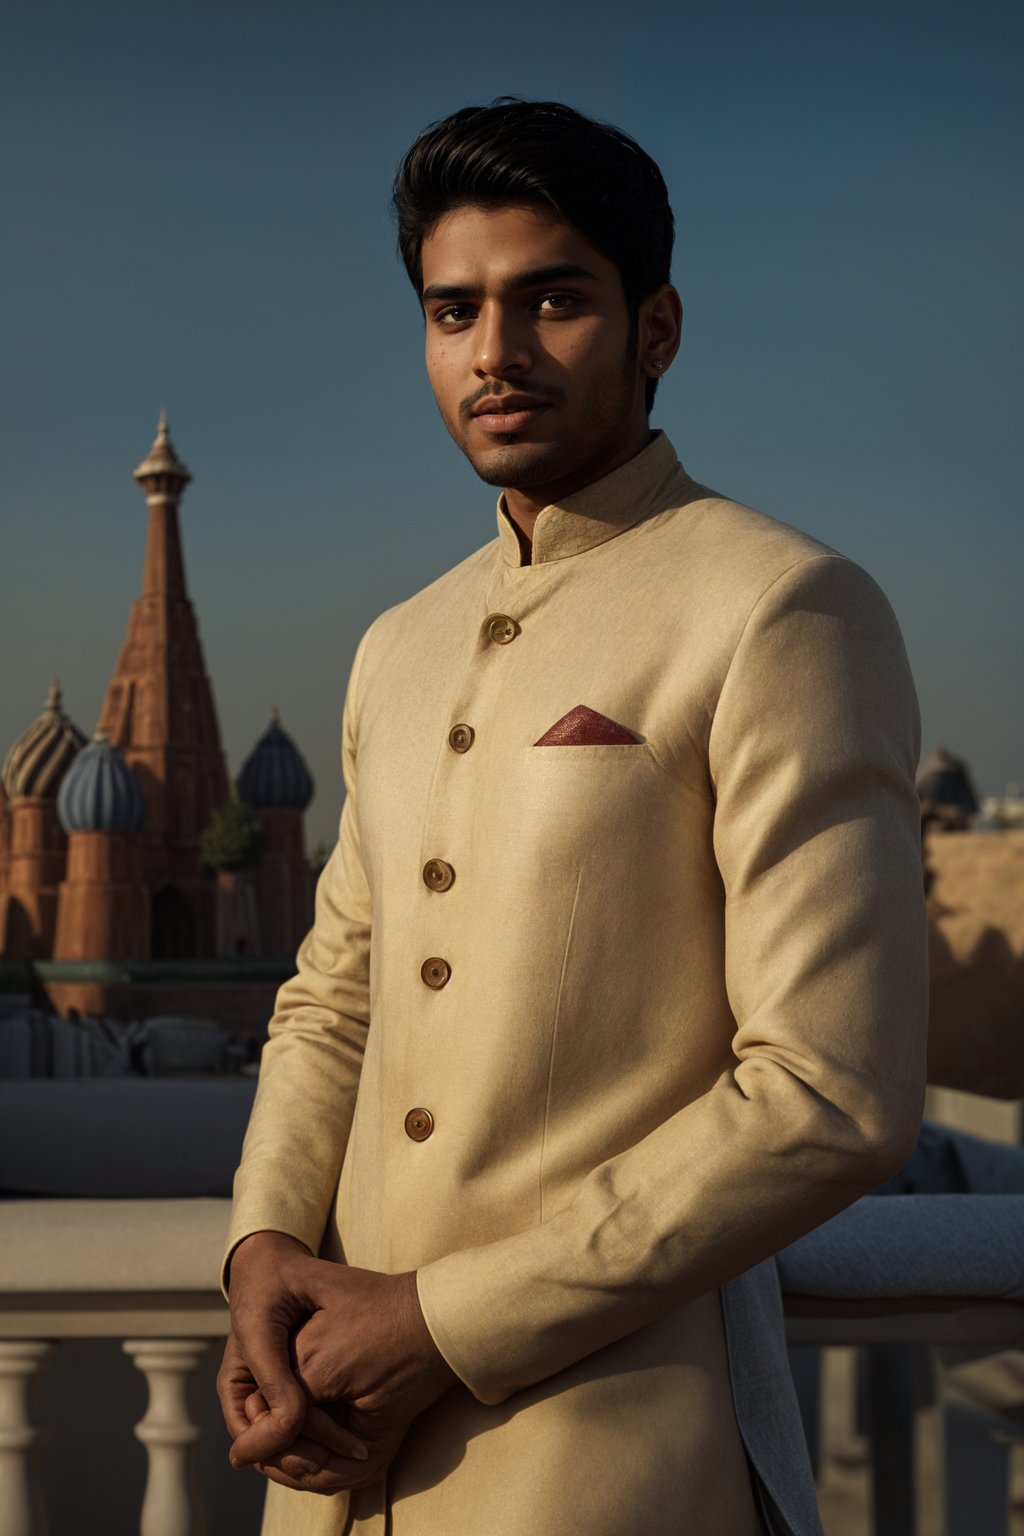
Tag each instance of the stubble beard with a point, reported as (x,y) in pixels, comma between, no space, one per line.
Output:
(523,466)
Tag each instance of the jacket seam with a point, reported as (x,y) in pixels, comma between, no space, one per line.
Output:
(554,1037)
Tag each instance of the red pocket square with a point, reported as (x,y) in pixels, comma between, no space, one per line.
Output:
(583,727)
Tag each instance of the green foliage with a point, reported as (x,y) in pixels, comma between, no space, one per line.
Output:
(234,839)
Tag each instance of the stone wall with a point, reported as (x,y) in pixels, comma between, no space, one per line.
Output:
(976,937)
(239,996)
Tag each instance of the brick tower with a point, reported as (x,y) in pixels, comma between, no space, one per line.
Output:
(277,784)
(102,906)
(159,714)
(36,844)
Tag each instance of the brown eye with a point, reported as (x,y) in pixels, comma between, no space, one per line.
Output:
(455,314)
(557,303)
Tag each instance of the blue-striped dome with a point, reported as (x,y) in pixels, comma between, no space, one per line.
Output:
(100,793)
(274,776)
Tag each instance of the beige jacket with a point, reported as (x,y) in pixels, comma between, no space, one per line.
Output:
(685,1015)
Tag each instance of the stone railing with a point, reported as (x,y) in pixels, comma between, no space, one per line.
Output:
(143,1271)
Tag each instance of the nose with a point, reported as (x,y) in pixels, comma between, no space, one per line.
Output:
(502,343)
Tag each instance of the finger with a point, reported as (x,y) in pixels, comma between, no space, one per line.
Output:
(312,1468)
(265,1349)
(319,1426)
(234,1386)
(339,1440)
(322,1484)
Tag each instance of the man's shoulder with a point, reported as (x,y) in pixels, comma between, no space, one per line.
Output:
(724,560)
(743,543)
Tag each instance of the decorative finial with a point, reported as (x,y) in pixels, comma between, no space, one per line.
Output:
(275,716)
(53,698)
(161,474)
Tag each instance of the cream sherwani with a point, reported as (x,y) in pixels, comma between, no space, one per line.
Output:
(684,1016)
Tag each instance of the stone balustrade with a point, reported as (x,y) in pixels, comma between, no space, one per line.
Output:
(143,1271)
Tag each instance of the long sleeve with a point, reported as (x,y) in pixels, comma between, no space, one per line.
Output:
(811,754)
(310,1068)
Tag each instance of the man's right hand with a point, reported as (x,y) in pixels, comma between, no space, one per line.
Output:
(269,1302)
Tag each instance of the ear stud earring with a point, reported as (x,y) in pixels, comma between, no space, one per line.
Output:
(658,364)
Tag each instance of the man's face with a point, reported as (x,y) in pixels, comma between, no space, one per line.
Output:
(529,349)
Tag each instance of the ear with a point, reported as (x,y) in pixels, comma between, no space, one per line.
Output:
(659,330)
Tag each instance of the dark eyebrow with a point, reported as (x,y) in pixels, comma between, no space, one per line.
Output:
(557,272)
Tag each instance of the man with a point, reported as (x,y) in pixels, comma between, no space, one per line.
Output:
(631,822)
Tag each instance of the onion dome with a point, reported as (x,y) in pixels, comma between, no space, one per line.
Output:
(100,793)
(274,776)
(946,780)
(161,473)
(42,755)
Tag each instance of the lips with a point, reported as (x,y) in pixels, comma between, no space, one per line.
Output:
(508,413)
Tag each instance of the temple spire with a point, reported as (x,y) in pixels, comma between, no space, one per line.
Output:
(159,712)
(163,477)
(161,474)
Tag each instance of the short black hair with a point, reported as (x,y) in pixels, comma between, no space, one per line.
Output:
(514,151)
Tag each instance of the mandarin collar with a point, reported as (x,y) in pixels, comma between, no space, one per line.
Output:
(648,483)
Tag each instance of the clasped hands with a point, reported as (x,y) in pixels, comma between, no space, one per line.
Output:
(325,1367)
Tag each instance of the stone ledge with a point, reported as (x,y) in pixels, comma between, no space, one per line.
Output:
(988,1324)
(224,972)
(64,1247)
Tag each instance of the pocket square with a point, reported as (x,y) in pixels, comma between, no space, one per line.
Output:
(583,727)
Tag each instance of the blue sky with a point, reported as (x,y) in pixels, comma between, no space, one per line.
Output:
(196,213)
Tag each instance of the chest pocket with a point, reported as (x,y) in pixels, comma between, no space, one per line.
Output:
(592,806)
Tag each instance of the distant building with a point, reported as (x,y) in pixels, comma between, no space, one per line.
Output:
(946,790)
(100,843)
(1005,810)
(33,849)
(276,782)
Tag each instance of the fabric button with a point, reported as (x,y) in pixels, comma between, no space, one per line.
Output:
(419,1124)
(436,972)
(501,628)
(460,738)
(438,875)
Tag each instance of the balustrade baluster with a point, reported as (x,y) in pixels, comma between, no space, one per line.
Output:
(171,1504)
(21,1505)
